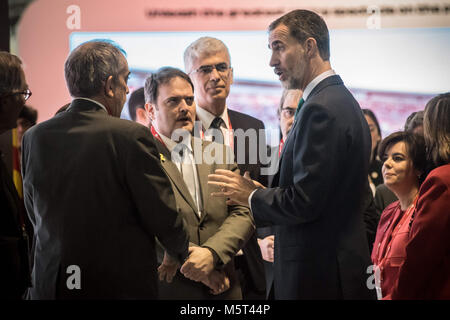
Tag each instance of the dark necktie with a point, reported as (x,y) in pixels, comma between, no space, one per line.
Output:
(218,135)
(300,103)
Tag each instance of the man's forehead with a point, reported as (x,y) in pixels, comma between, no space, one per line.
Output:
(177,86)
(212,57)
(280,33)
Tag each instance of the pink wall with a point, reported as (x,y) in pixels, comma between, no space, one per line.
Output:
(43,35)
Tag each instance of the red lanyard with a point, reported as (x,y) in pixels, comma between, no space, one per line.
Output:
(157,136)
(280,148)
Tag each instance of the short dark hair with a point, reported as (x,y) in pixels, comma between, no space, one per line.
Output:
(90,64)
(10,72)
(436,128)
(304,24)
(414,120)
(415,147)
(162,76)
(29,113)
(137,100)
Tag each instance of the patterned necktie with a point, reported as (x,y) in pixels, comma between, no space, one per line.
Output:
(218,136)
(300,103)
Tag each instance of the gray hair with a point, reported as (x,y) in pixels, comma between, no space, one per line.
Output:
(204,46)
(90,64)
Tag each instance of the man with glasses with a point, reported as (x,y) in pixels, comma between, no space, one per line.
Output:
(14,265)
(208,63)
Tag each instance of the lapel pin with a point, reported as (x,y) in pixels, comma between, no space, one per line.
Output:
(161,157)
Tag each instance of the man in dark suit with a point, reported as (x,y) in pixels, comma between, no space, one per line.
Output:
(216,231)
(316,197)
(208,63)
(14,263)
(95,191)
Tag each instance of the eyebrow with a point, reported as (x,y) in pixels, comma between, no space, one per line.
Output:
(179,97)
(274,43)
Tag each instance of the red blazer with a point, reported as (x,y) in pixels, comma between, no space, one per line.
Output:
(425,273)
(386,254)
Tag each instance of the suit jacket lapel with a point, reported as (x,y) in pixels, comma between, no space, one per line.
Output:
(174,174)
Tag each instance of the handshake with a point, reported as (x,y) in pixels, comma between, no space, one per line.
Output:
(199,266)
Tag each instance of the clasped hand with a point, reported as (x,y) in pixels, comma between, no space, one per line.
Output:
(199,266)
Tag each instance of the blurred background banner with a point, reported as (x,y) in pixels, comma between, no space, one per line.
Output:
(393,55)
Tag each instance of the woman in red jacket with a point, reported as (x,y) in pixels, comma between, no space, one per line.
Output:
(404,162)
(425,273)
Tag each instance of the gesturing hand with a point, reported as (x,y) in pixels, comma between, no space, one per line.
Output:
(233,186)
(199,264)
(168,268)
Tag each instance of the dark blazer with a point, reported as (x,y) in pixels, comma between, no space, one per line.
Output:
(224,229)
(252,262)
(321,247)
(383,197)
(14,259)
(97,196)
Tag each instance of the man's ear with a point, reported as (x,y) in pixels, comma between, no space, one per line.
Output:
(311,47)
(231,75)
(150,109)
(109,87)
(141,114)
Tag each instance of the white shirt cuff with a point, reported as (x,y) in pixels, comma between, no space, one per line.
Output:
(250,200)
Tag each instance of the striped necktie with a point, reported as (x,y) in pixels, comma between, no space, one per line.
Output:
(300,103)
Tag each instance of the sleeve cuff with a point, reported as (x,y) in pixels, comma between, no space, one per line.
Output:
(250,200)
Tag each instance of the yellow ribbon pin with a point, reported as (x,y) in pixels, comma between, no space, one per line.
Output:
(161,157)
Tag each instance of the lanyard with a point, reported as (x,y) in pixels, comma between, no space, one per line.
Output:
(280,147)
(379,267)
(157,136)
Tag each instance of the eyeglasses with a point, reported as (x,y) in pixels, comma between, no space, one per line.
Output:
(26,94)
(220,67)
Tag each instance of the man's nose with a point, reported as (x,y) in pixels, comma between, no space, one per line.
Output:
(273,60)
(214,75)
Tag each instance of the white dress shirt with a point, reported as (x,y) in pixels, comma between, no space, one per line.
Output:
(192,184)
(207,118)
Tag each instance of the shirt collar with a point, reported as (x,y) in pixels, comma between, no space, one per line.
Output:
(207,117)
(96,102)
(170,144)
(309,88)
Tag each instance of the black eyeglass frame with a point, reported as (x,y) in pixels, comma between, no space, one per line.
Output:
(207,69)
(26,94)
